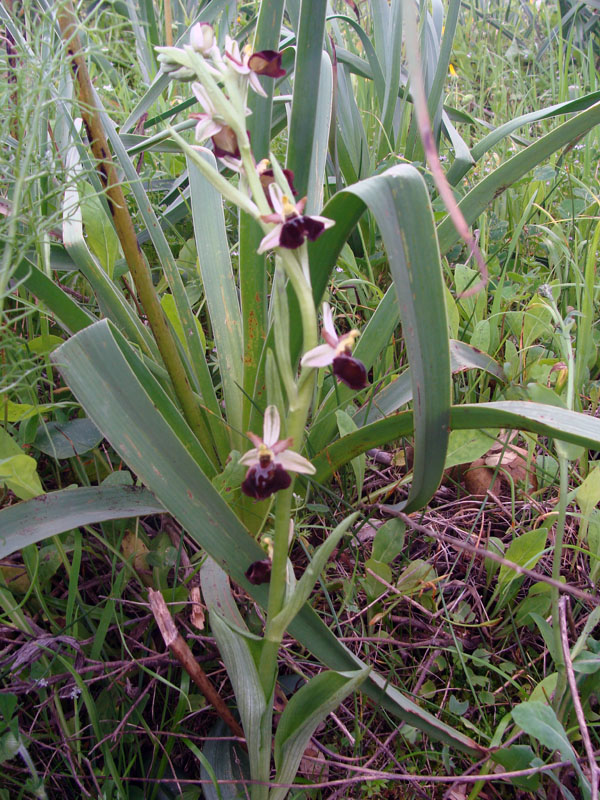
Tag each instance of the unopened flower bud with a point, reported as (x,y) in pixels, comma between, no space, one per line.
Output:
(202,38)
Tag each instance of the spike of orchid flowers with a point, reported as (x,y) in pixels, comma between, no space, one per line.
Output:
(338,352)
(269,460)
(292,227)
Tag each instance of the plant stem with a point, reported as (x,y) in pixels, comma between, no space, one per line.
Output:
(298,414)
(136,262)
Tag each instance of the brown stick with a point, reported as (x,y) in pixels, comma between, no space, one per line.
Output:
(585,735)
(183,654)
(136,262)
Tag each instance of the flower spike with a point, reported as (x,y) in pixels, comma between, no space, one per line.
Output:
(337,351)
(269,460)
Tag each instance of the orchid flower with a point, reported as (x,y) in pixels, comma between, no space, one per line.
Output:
(210,125)
(251,65)
(292,227)
(337,351)
(269,460)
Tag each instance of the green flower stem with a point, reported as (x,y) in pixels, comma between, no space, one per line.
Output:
(220,183)
(566,346)
(296,424)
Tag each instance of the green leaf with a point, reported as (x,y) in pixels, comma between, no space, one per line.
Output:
(306,710)
(41,345)
(539,720)
(587,495)
(56,512)
(100,233)
(466,446)
(572,426)
(219,288)
(18,471)
(389,541)
(234,647)
(67,439)
(526,550)
(515,758)
(307,73)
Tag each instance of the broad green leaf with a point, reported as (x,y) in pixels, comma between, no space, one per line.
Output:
(415,577)
(515,758)
(373,587)
(526,550)
(41,345)
(148,432)
(307,73)
(100,233)
(67,439)
(305,711)
(252,704)
(18,471)
(220,289)
(466,446)
(25,523)
(457,170)
(221,761)
(539,720)
(572,426)
(389,540)
(588,494)
(19,474)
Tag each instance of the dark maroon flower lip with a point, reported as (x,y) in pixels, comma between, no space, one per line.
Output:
(261,482)
(259,572)
(350,370)
(267,62)
(296,229)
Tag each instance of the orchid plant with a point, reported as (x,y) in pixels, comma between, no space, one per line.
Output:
(265,190)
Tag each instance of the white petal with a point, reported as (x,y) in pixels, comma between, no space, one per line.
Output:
(319,356)
(276,198)
(295,462)
(255,84)
(203,98)
(328,321)
(271,240)
(271,426)
(250,458)
(206,127)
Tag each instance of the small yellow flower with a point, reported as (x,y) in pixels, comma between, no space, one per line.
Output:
(451,69)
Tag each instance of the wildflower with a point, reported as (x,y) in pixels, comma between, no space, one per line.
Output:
(259,572)
(269,460)
(210,125)
(202,39)
(266,62)
(267,177)
(292,226)
(250,65)
(337,351)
